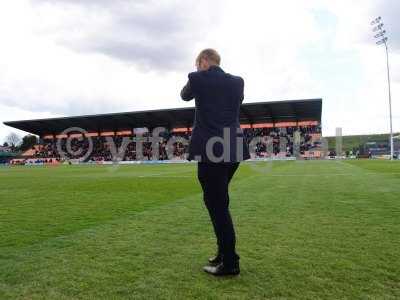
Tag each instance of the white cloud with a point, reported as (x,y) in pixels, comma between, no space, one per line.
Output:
(13,113)
(81,57)
(366,109)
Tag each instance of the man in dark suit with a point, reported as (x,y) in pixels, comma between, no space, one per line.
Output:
(218,144)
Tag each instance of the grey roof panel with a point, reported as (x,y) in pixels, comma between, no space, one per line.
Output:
(250,113)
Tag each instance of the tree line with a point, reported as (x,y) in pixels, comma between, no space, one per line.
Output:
(18,144)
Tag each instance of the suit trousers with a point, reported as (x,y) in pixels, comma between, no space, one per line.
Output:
(214,179)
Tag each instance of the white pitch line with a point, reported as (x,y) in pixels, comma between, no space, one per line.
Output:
(333,174)
(165,174)
(273,175)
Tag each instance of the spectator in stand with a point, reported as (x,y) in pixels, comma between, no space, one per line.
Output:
(101,151)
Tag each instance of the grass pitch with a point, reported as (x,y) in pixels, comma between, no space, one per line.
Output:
(305,229)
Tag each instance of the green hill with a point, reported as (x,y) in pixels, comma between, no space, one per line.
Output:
(354,142)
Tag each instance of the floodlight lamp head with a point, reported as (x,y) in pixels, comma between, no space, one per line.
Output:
(376,21)
(382,41)
(380,34)
(379,27)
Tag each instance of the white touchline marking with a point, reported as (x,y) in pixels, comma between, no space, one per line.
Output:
(162,176)
(165,175)
(272,175)
(333,174)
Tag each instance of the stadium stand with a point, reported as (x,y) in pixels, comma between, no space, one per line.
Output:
(270,127)
(6,154)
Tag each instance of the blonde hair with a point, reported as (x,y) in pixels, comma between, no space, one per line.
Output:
(210,55)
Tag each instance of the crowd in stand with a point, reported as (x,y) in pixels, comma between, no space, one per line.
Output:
(281,140)
(266,142)
(104,148)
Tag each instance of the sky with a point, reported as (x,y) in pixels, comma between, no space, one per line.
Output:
(73,57)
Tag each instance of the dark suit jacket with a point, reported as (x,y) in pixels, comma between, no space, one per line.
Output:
(218,96)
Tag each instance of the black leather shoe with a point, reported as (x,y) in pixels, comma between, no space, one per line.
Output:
(222,270)
(216,260)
